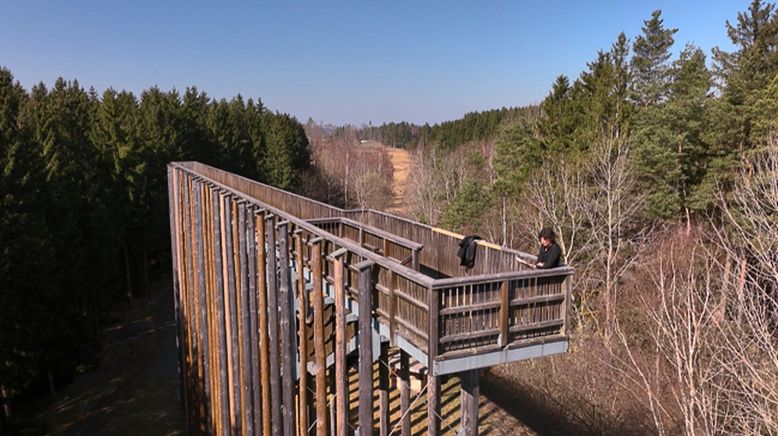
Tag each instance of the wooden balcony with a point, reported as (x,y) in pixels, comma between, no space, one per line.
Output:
(418,296)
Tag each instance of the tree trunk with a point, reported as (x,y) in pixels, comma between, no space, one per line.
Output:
(128,268)
(146,292)
(52,386)
(7,411)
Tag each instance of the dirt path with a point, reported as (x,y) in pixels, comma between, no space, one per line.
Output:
(401,161)
(135,388)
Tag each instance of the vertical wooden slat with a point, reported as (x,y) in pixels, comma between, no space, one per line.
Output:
(232,317)
(264,342)
(302,394)
(247,398)
(200,283)
(433,383)
(287,336)
(341,371)
(469,402)
(365,348)
(251,250)
(504,309)
(272,319)
(221,319)
(405,397)
(383,387)
(318,340)
(175,241)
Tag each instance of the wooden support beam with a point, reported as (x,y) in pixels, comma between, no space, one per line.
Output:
(365,287)
(264,341)
(201,301)
(433,383)
(383,388)
(251,251)
(272,319)
(302,394)
(502,340)
(405,397)
(287,335)
(318,340)
(232,317)
(469,402)
(341,370)
(247,398)
(221,332)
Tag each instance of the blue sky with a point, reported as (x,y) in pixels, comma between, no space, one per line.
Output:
(338,62)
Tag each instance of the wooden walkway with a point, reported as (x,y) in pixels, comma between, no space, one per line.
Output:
(257,268)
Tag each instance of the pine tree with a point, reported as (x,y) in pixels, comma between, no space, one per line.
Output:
(650,67)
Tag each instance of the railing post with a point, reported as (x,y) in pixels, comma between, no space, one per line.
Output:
(365,347)
(567,288)
(433,387)
(286,303)
(302,395)
(341,371)
(504,310)
(318,338)
(272,329)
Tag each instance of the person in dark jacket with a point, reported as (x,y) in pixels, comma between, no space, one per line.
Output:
(550,255)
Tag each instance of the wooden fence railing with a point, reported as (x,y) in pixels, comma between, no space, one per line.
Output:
(243,252)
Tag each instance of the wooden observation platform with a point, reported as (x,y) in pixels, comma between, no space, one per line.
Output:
(263,277)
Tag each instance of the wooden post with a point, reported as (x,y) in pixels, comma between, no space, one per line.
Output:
(504,310)
(232,324)
(318,340)
(264,342)
(405,397)
(341,371)
(567,288)
(202,331)
(287,338)
(245,330)
(272,319)
(365,347)
(221,331)
(174,211)
(302,394)
(383,387)
(253,324)
(469,402)
(433,383)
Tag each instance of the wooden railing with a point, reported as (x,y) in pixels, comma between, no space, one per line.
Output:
(494,305)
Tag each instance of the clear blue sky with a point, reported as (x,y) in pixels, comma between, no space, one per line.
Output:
(338,62)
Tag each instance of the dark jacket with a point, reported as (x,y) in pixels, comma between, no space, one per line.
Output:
(467,248)
(551,256)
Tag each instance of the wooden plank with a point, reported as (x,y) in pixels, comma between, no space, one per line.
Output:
(251,252)
(504,311)
(365,347)
(202,331)
(469,402)
(318,340)
(220,330)
(247,398)
(433,386)
(272,319)
(383,388)
(174,209)
(232,317)
(405,393)
(341,371)
(264,341)
(286,333)
(303,331)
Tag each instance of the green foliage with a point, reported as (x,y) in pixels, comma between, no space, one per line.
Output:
(649,63)
(83,205)
(470,202)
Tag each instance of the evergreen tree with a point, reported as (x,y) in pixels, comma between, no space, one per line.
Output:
(650,67)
